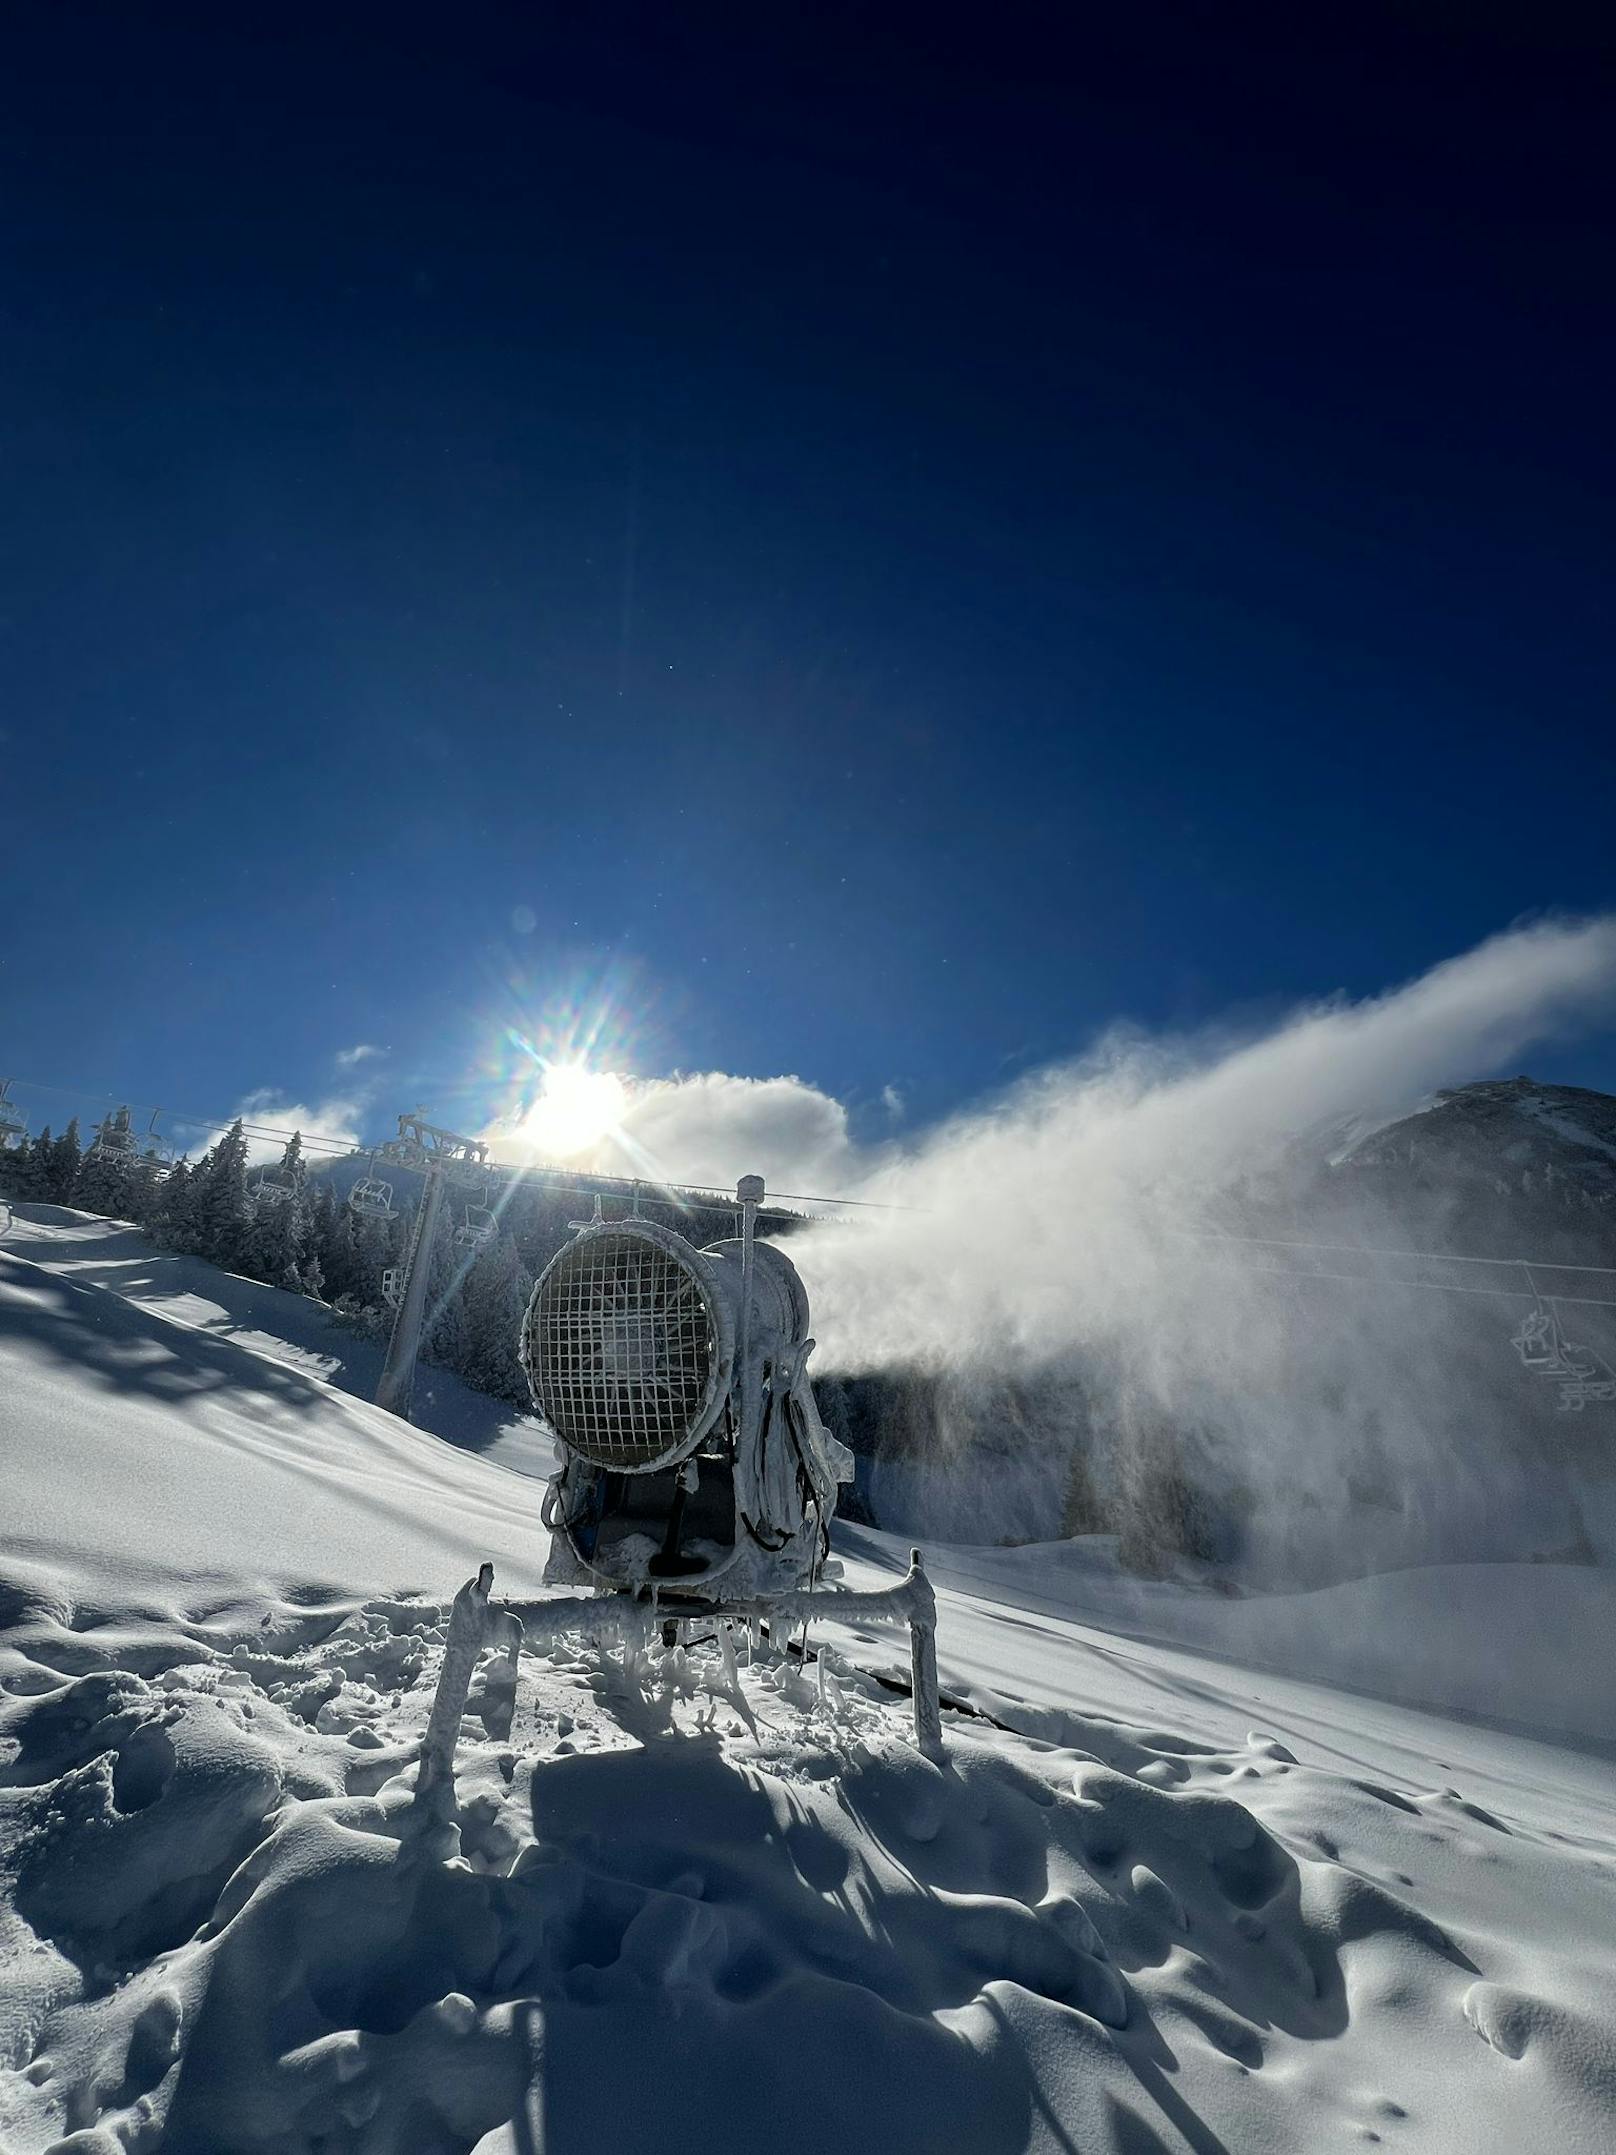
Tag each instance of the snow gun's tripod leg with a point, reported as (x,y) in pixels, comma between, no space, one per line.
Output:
(432,1813)
(923,1663)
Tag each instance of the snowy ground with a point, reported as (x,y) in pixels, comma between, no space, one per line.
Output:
(1156,1899)
(289,1328)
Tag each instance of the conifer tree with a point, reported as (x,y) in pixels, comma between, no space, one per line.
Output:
(219,1213)
(43,1172)
(496,1294)
(448,1336)
(21,1169)
(105,1182)
(339,1253)
(276,1243)
(145,1194)
(65,1155)
(171,1222)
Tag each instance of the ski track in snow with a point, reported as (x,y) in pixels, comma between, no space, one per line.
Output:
(1154,1900)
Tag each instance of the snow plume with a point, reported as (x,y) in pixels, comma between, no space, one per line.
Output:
(1058,1235)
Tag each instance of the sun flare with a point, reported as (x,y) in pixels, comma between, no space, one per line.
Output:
(575,1109)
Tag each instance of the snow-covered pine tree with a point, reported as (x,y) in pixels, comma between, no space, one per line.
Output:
(322,1227)
(21,1169)
(105,1183)
(218,1213)
(497,1289)
(276,1244)
(146,1188)
(171,1222)
(63,1171)
(448,1337)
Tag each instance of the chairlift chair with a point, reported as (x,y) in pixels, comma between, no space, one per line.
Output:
(273,1186)
(1582,1376)
(158,1157)
(370,1198)
(115,1135)
(1538,1343)
(478,1229)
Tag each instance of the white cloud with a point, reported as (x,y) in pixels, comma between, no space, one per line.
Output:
(711,1128)
(351,1058)
(335,1120)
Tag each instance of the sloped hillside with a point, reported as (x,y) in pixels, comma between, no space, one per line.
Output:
(292,1329)
(1151,1902)
(1511,1163)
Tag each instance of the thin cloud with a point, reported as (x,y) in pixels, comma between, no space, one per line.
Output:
(351,1058)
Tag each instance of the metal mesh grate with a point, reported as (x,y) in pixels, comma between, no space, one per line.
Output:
(621,1349)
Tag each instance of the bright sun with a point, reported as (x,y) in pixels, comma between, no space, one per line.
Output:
(575,1110)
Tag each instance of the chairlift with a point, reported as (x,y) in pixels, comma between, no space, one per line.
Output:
(370,1198)
(393,1285)
(1539,1345)
(114,1135)
(1584,1378)
(158,1157)
(12,1128)
(478,1229)
(274,1186)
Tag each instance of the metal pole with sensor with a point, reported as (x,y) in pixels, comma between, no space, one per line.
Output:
(749,1190)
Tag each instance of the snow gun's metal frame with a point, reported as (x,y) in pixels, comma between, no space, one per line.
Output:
(477,1622)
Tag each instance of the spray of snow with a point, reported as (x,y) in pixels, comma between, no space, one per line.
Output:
(1065,1223)
(1051,1218)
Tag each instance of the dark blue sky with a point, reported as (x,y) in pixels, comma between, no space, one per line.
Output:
(888,550)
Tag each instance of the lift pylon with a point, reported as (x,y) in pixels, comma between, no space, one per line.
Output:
(439,1157)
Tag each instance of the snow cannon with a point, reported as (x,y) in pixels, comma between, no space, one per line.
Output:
(694,1462)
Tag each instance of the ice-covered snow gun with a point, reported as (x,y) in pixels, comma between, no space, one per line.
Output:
(696,1477)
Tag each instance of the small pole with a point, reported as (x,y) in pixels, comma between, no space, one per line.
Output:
(433,1809)
(749,1190)
(923,1669)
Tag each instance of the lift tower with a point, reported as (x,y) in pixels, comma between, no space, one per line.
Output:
(439,1157)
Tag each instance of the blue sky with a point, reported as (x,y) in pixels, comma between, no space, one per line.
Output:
(813,551)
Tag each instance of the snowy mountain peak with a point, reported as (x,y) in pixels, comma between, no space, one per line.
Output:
(1514,1137)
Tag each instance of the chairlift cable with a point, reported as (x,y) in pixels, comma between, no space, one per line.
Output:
(1368,1279)
(1362,1249)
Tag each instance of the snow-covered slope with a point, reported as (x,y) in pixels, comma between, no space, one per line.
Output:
(290,1328)
(1154,1900)
(1542,1156)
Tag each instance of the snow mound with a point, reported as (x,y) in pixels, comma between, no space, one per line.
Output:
(223,1934)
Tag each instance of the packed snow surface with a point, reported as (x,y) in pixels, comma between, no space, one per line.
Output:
(712,1897)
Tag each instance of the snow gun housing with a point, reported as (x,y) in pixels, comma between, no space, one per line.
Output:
(674,1379)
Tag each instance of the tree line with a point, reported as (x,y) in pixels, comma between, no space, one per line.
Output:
(292,1229)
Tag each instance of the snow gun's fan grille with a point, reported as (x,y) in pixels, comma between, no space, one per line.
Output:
(621,1350)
